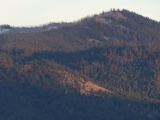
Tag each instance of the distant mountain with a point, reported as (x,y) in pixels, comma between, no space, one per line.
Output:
(113,26)
(106,66)
(6,29)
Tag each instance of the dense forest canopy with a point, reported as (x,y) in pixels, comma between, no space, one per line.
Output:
(102,67)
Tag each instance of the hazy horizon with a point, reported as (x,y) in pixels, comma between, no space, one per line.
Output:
(38,12)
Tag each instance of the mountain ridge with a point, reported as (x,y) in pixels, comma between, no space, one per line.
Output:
(118,14)
(88,33)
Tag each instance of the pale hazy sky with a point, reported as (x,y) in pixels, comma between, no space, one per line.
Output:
(36,12)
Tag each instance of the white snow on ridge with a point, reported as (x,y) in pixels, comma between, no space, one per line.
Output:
(3,31)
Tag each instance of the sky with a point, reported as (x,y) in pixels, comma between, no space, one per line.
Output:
(38,12)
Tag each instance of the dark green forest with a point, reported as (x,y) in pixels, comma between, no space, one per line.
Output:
(42,74)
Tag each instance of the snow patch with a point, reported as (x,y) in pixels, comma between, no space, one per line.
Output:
(3,31)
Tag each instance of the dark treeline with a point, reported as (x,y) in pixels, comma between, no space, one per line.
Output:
(21,102)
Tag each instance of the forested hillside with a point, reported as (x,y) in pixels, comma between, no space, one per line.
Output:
(106,66)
